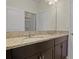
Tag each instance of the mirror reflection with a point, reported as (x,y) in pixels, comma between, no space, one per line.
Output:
(30,15)
(30,21)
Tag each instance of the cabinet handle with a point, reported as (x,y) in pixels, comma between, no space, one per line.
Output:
(40,57)
(43,57)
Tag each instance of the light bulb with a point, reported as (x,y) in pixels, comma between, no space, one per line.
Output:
(50,3)
(56,0)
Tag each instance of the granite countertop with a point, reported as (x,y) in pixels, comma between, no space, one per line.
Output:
(16,42)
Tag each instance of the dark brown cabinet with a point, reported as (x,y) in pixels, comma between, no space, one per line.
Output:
(8,54)
(47,54)
(61,48)
(58,51)
(64,49)
(52,49)
(36,56)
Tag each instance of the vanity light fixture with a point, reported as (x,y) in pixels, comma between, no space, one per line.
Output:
(50,2)
(56,1)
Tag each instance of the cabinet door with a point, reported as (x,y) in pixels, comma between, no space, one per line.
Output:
(36,56)
(8,54)
(58,52)
(64,49)
(48,54)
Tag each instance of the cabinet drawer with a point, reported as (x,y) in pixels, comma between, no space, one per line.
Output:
(60,39)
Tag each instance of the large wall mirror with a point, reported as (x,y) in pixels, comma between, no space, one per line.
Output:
(30,15)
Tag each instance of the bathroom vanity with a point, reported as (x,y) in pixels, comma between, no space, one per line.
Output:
(36,29)
(54,46)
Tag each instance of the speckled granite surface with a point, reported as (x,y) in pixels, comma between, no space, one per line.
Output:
(18,39)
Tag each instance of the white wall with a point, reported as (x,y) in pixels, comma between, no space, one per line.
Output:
(28,5)
(15,20)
